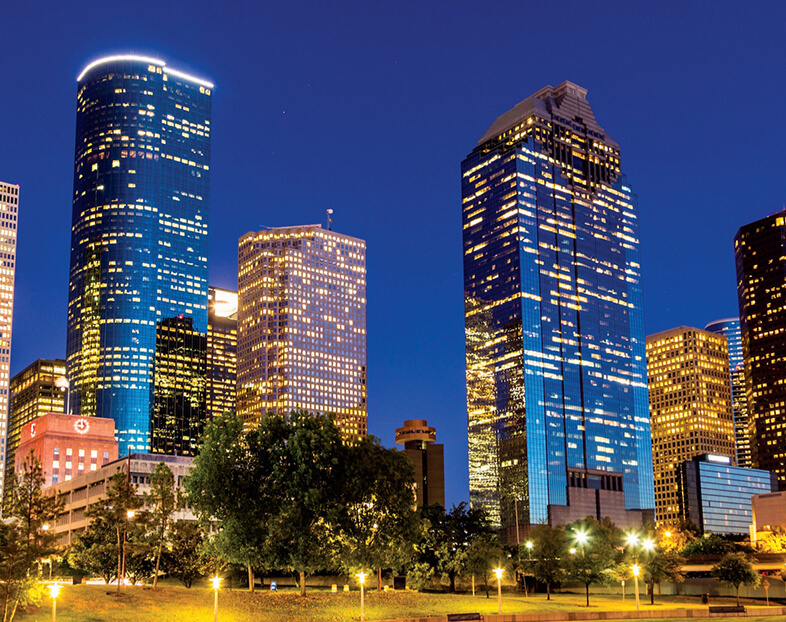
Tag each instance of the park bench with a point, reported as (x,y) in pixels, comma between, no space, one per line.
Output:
(714,611)
(462,617)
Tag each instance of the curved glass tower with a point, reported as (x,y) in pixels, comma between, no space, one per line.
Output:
(139,232)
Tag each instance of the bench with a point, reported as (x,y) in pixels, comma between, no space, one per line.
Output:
(726,610)
(461,617)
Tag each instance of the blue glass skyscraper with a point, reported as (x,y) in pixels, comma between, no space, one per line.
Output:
(139,234)
(556,374)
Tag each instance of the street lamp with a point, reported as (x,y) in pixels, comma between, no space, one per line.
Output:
(498,572)
(129,515)
(362,579)
(636,570)
(216,581)
(54,590)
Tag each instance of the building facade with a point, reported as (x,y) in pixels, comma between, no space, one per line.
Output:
(716,496)
(760,251)
(302,325)
(179,387)
(730,328)
(34,392)
(428,458)
(67,446)
(556,378)
(221,352)
(139,233)
(9,214)
(690,407)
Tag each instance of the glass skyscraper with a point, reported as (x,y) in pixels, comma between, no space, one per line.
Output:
(139,233)
(556,376)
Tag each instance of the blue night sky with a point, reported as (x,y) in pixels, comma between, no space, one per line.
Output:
(368,108)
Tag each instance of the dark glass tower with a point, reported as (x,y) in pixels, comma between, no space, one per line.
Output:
(760,250)
(556,376)
(139,233)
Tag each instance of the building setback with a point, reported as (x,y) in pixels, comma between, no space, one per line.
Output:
(9,213)
(221,352)
(139,233)
(302,325)
(760,250)
(556,378)
(690,407)
(428,458)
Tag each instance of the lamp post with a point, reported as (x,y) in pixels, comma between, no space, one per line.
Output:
(636,570)
(362,579)
(129,515)
(498,572)
(54,590)
(581,538)
(216,581)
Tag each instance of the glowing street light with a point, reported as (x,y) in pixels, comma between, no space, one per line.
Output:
(54,590)
(498,572)
(572,550)
(216,581)
(636,570)
(648,545)
(632,539)
(362,579)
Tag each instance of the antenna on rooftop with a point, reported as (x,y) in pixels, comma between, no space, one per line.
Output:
(329,220)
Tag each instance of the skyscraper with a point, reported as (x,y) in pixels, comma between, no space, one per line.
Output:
(760,250)
(690,407)
(302,325)
(9,212)
(428,458)
(139,233)
(730,328)
(556,378)
(221,352)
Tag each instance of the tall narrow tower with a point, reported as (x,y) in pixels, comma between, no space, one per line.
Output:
(556,377)
(139,233)
(9,212)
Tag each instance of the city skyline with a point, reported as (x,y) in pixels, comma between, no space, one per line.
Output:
(668,87)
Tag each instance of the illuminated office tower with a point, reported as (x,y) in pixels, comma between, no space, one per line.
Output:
(9,208)
(302,325)
(690,407)
(139,233)
(730,328)
(35,391)
(760,250)
(556,378)
(179,387)
(221,352)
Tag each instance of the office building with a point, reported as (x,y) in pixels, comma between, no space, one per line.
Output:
(9,213)
(80,492)
(35,391)
(730,328)
(428,458)
(556,378)
(139,232)
(769,514)
(760,250)
(221,352)
(179,388)
(716,495)
(690,407)
(302,325)
(67,445)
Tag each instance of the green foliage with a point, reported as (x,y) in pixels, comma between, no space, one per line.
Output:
(95,550)
(183,558)
(710,545)
(545,561)
(25,537)
(161,502)
(594,561)
(419,575)
(734,570)
(662,566)
(774,542)
(484,553)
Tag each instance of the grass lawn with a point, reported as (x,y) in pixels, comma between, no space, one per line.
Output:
(97,603)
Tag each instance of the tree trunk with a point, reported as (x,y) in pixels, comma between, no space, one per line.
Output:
(548,590)
(652,594)
(738,595)
(302,583)
(452,576)
(251,580)
(587,586)
(158,563)
(379,579)
(119,559)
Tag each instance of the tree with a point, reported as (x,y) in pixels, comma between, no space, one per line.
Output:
(484,552)
(161,501)
(183,559)
(662,566)
(710,545)
(379,523)
(674,538)
(549,547)
(734,570)
(593,561)
(25,537)
(95,550)
(774,542)
(119,510)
